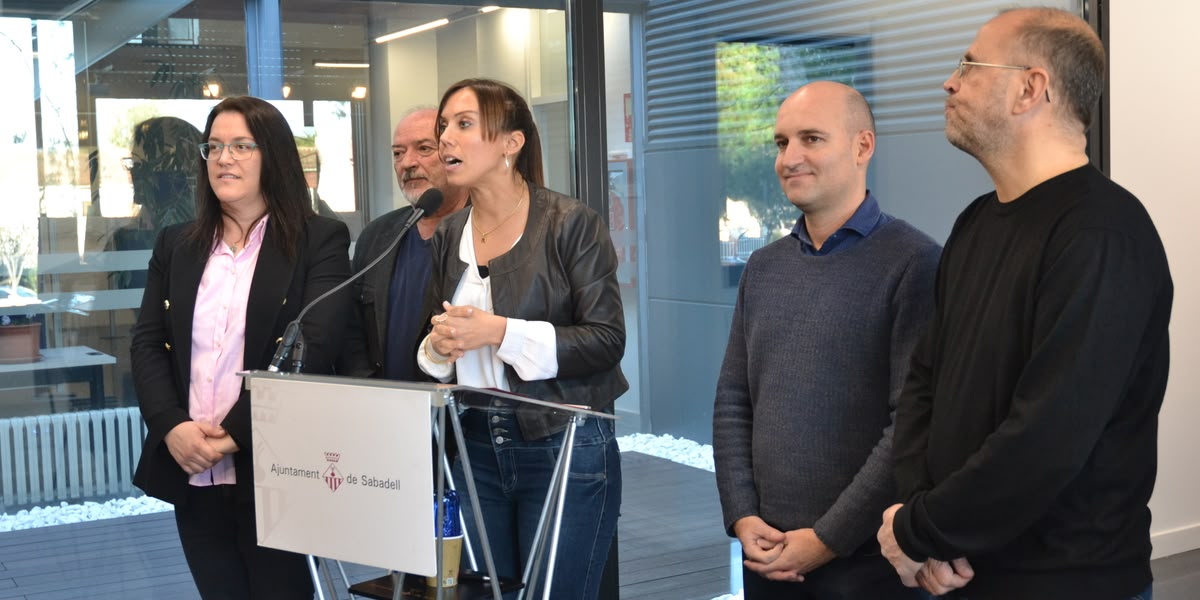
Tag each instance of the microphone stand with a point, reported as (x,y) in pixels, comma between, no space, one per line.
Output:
(292,342)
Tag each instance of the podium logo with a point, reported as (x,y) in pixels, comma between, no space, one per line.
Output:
(333,478)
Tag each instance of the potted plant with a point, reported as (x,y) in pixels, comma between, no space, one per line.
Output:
(20,331)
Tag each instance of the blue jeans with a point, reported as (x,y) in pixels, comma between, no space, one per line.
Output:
(512,475)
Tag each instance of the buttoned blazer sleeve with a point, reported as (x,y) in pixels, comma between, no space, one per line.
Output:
(160,354)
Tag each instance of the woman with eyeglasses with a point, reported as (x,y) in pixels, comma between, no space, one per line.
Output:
(219,292)
(524,281)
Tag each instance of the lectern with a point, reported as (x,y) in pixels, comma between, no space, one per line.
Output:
(342,471)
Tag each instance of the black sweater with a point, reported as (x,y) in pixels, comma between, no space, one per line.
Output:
(1026,436)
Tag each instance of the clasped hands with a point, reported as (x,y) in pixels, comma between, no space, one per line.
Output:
(463,328)
(937,577)
(779,555)
(197,446)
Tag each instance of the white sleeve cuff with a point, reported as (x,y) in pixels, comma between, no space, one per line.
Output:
(440,371)
(531,348)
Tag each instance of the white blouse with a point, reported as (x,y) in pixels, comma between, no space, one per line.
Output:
(529,346)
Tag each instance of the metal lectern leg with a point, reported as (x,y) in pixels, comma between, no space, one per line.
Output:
(449,471)
(398,585)
(452,405)
(568,447)
(440,519)
(311,561)
(537,548)
(555,499)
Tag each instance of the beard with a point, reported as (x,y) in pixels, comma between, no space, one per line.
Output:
(412,194)
(409,195)
(982,138)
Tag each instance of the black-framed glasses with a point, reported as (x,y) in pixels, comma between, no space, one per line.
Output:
(422,150)
(237,150)
(963,63)
(130,163)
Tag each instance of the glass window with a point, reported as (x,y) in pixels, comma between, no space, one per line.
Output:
(703,82)
(693,88)
(105,156)
(107,99)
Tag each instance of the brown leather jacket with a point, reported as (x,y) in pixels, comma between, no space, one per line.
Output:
(563,270)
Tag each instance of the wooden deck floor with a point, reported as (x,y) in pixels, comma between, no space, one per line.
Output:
(671,547)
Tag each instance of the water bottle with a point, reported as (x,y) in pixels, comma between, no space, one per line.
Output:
(451,525)
(451,530)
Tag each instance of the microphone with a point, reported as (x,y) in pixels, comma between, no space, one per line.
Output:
(429,202)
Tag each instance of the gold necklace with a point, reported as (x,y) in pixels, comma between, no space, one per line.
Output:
(483,234)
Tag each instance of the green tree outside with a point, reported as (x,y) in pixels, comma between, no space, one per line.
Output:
(752,80)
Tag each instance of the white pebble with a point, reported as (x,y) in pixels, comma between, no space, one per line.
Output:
(42,516)
(680,450)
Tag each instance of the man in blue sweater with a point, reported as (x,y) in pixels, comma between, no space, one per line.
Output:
(825,323)
(1026,437)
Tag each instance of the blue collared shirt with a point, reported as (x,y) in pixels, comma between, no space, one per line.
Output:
(865,220)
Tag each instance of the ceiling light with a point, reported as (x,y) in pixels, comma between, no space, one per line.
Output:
(337,64)
(383,39)
(487,9)
(287,90)
(359,92)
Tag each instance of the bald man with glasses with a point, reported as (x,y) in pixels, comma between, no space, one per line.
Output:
(1026,435)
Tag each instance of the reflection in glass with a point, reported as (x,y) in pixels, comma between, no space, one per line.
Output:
(753,78)
(162,165)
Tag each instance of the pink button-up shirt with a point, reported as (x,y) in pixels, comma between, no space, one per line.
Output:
(219,339)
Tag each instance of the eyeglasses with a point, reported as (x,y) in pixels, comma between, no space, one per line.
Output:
(964,63)
(422,150)
(130,163)
(237,150)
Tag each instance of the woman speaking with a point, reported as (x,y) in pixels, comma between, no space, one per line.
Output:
(525,281)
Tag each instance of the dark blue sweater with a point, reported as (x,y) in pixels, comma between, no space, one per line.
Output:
(818,350)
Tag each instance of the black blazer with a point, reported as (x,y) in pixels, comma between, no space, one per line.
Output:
(162,340)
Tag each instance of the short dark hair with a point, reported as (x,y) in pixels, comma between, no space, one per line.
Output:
(1073,53)
(503,110)
(859,116)
(281,180)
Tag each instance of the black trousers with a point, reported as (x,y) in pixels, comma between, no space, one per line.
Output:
(867,577)
(222,551)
